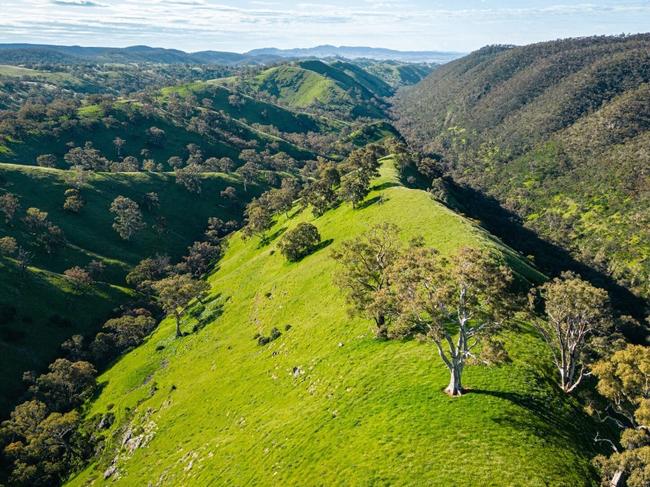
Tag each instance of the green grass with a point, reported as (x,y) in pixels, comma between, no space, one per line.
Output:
(17,71)
(33,341)
(217,409)
(309,84)
(133,126)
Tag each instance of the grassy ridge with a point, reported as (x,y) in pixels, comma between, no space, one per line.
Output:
(31,339)
(340,88)
(327,404)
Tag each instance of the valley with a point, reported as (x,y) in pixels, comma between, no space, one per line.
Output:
(325,266)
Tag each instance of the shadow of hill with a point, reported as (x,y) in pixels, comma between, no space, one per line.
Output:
(549,258)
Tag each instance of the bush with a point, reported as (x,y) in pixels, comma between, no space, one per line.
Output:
(8,246)
(299,242)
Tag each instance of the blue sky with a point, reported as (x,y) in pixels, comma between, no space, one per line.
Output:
(191,25)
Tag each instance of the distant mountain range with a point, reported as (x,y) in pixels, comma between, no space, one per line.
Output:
(350,52)
(42,53)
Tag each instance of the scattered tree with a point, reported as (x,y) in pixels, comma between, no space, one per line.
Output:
(66,385)
(248,172)
(364,276)
(73,200)
(300,241)
(259,218)
(190,177)
(200,258)
(175,293)
(354,188)
(9,205)
(147,271)
(79,278)
(576,312)
(128,217)
(229,193)
(119,143)
(451,304)
(46,160)
(175,162)
(8,246)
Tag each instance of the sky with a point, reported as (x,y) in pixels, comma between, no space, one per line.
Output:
(193,25)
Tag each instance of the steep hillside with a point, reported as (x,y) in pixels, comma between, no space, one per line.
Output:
(340,89)
(325,403)
(39,308)
(559,133)
(222,129)
(396,74)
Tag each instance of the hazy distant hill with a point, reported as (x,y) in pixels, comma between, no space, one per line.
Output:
(36,53)
(361,52)
(44,53)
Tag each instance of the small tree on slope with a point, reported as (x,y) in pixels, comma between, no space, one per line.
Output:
(128,217)
(576,312)
(175,292)
(364,276)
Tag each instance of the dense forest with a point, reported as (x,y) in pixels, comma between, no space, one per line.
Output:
(558,133)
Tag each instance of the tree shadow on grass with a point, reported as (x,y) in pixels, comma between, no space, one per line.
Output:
(374,200)
(385,185)
(323,245)
(552,419)
(267,239)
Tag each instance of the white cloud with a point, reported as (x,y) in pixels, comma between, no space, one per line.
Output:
(240,25)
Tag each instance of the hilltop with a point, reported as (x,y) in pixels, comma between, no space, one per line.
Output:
(340,89)
(558,133)
(325,402)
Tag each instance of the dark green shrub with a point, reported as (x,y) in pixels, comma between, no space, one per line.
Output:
(299,242)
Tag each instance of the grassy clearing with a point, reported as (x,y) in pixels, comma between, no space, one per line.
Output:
(326,404)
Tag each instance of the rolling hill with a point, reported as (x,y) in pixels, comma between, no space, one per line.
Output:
(340,89)
(325,403)
(558,132)
(227,132)
(47,53)
(39,307)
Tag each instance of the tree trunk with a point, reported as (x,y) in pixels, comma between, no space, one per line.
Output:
(382,330)
(455,387)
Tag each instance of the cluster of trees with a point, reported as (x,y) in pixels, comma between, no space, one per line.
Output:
(414,291)
(44,233)
(461,304)
(325,185)
(43,439)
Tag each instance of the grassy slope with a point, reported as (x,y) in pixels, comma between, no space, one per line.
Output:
(310,83)
(221,410)
(134,132)
(17,71)
(31,340)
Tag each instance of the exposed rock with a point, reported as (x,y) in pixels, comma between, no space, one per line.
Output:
(110,471)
